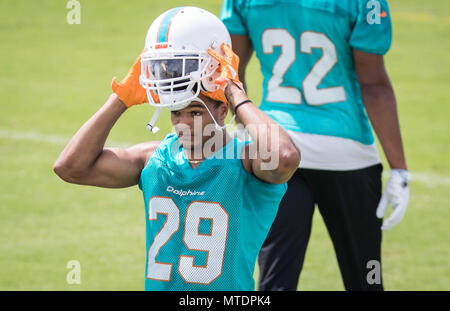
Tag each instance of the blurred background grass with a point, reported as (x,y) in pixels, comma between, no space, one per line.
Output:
(54,76)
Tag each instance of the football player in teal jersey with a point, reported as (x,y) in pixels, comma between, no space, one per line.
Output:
(210,199)
(324,79)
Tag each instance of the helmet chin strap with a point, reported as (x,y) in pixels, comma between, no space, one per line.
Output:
(218,127)
(154,129)
(151,124)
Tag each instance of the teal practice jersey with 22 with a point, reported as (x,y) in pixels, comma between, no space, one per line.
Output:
(305,51)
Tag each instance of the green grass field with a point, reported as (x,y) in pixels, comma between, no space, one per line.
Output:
(53,76)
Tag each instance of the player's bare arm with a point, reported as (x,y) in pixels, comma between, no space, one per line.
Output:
(263,130)
(287,153)
(85,160)
(243,48)
(379,100)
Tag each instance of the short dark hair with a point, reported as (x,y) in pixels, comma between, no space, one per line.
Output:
(214,102)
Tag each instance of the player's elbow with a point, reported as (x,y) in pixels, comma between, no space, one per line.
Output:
(66,172)
(283,165)
(289,162)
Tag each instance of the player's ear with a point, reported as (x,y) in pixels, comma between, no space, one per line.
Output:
(223,111)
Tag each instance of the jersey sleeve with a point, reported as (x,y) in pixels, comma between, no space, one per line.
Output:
(372,32)
(265,192)
(232,18)
(264,199)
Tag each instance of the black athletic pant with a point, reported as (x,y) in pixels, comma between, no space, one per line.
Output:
(347,201)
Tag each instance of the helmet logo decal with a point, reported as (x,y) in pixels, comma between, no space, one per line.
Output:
(161,46)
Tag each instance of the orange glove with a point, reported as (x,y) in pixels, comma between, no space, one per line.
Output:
(129,90)
(229,65)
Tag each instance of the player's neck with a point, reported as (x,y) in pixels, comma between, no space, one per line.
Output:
(196,159)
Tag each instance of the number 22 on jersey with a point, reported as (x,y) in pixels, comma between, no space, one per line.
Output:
(308,40)
(213,243)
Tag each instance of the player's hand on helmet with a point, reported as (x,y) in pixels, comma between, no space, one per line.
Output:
(396,193)
(228,65)
(129,89)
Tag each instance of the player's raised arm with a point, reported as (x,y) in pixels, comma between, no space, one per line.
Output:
(243,48)
(85,160)
(272,156)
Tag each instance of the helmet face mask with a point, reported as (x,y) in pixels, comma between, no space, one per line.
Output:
(162,69)
(176,79)
(176,65)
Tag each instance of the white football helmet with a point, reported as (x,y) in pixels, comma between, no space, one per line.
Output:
(176,65)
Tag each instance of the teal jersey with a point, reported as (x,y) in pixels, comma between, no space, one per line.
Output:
(204,226)
(305,52)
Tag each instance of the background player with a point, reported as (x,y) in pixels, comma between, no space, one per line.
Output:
(322,63)
(205,225)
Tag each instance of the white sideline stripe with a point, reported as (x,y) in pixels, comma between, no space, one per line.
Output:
(427,178)
(421,18)
(49,139)
(430,179)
